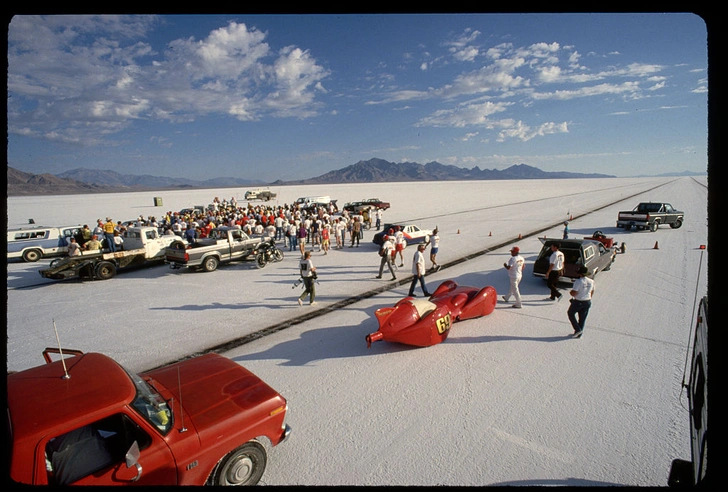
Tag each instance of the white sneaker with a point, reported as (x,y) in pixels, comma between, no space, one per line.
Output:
(312,303)
(300,302)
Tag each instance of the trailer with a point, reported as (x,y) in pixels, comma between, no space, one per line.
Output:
(147,246)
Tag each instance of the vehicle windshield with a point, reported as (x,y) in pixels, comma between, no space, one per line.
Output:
(150,404)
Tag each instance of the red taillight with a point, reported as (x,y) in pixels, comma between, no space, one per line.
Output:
(187,257)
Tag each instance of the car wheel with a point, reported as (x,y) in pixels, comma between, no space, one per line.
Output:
(210,264)
(676,224)
(242,466)
(105,270)
(32,255)
(654,226)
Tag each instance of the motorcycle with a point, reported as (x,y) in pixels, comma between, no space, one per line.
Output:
(267,252)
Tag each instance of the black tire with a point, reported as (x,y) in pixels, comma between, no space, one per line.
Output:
(627,227)
(210,264)
(242,466)
(105,270)
(32,255)
(277,255)
(260,260)
(654,226)
(676,224)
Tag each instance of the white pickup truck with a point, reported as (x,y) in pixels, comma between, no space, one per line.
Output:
(224,244)
(141,245)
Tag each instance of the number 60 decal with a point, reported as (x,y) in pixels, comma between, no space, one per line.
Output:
(443,324)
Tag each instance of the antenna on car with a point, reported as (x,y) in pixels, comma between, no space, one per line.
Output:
(181,408)
(60,351)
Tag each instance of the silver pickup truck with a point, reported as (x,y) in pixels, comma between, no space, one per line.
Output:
(224,244)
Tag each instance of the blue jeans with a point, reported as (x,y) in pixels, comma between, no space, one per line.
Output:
(580,309)
(110,244)
(421,278)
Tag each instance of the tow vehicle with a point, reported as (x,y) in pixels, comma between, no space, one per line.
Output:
(142,245)
(83,419)
(590,252)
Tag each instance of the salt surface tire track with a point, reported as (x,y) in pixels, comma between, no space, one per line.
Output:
(237,342)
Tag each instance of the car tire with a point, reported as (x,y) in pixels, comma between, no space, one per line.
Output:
(676,224)
(210,264)
(105,270)
(654,226)
(242,466)
(32,255)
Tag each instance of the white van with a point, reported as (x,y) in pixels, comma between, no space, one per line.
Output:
(34,243)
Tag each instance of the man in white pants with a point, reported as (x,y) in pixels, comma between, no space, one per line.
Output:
(514,265)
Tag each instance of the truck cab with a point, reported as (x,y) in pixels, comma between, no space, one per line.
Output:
(185,424)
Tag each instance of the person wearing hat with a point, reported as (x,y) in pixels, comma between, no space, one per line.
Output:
(514,265)
(418,270)
(386,253)
(581,295)
(93,245)
(109,234)
(434,239)
(566,229)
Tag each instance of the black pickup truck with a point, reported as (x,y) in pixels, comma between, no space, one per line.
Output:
(650,215)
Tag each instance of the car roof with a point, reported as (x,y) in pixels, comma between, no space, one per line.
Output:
(41,400)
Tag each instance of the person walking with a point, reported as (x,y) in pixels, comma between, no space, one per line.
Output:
(566,229)
(434,240)
(556,268)
(399,244)
(581,294)
(418,270)
(386,253)
(308,275)
(514,265)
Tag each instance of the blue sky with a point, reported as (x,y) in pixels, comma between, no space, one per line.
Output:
(294,96)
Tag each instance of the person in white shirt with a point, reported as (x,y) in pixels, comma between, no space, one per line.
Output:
(581,295)
(434,240)
(73,248)
(386,254)
(514,265)
(556,267)
(399,244)
(418,270)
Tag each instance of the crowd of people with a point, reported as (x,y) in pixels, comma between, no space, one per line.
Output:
(307,229)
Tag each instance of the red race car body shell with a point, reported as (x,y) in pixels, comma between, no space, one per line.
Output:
(422,322)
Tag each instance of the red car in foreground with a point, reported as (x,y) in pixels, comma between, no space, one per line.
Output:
(85,420)
(423,322)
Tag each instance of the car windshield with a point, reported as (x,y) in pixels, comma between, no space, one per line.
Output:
(150,404)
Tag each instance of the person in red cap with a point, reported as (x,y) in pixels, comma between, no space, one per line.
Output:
(514,265)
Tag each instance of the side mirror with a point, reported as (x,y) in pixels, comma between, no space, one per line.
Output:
(132,459)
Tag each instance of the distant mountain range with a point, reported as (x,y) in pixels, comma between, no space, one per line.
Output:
(78,181)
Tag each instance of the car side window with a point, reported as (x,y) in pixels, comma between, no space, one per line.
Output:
(588,252)
(79,453)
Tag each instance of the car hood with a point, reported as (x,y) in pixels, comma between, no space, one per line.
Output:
(216,393)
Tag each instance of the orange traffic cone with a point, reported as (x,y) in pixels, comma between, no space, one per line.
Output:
(571,217)
(519,237)
(458,231)
(655,246)
(490,233)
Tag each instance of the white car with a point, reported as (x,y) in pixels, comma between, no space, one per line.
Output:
(412,233)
